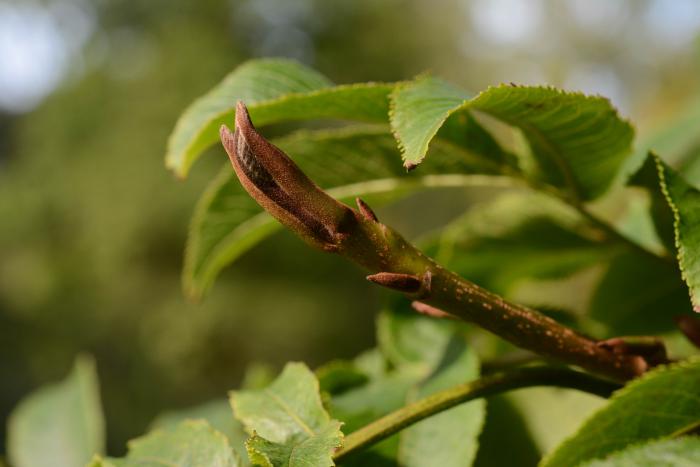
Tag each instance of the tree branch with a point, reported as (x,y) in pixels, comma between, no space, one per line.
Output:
(484,387)
(275,182)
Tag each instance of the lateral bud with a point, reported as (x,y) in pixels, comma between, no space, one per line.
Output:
(425,309)
(365,210)
(406,283)
(651,349)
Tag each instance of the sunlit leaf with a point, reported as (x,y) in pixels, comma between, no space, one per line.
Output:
(60,424)
(275,90)
(218,415)
(575,143)
(418,110)
(664,453)
(192,443)
(288,422)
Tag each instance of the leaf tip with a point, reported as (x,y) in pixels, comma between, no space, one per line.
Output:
(410,166)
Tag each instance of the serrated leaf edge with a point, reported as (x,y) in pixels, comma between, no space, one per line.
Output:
(630,387)
(182,169)
(400,86)
(680,248)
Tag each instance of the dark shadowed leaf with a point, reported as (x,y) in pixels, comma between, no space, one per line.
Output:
(659,404)
(680,217)
(517,236)
(639,294)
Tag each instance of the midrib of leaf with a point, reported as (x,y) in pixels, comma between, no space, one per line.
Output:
(564,131)
(290,412)
(556,156)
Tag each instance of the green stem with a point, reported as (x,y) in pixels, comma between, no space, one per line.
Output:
(279,186)
(484,387)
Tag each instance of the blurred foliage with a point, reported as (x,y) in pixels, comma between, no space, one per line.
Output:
(93,227)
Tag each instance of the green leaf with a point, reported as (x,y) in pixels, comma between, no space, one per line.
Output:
(298,451)
(505,425)
(290,427)
(450,437)
(647,178)
(418,110)
(426,356)
(274,90)
(338,376)
(60,424)
(684,201)
(575,143)
(217,414)
(519,236)
(192,443)
(549,423)
(348,162)
(676,214)
(661,403)
(626,308)
(664,453)
(410,342)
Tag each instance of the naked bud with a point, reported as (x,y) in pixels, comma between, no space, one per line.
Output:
(365,210)
(425,309)
(280,187)
(406,283)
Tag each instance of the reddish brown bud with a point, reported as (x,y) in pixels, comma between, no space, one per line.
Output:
(279,186)
(690,327)
(406,283)
(425,309)
(651,349)
(366,211)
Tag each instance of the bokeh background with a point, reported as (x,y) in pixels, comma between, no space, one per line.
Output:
(92,226)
